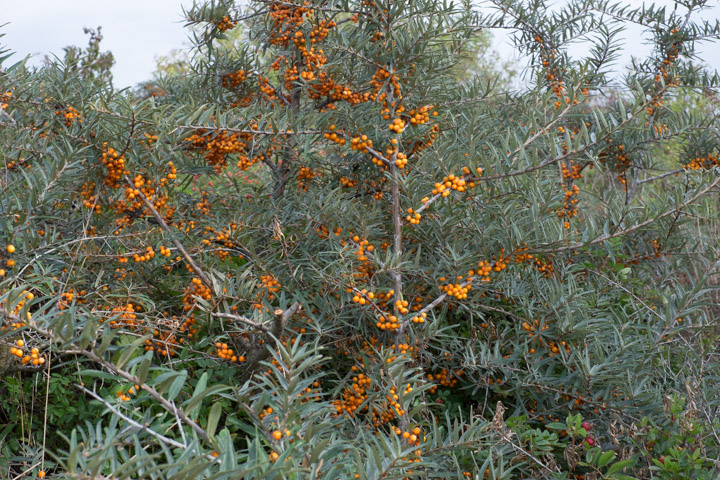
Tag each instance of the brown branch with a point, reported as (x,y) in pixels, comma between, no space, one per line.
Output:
(261,352)
(162,438)
(241,319)
(658,177)
(203,277)
(397,240)
(380,156)
(177,411)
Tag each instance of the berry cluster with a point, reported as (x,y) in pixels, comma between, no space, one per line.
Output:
(233,79)
(33,357)
(226,23)
(226,353)
(70,114)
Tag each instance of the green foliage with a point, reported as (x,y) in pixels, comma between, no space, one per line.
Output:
(330,245)
(93,65)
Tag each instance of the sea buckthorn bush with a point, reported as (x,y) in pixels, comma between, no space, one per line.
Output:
(337,250)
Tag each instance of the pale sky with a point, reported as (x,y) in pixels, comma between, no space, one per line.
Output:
(136,31)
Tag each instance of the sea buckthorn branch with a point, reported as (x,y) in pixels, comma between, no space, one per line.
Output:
(431,305)
(500,310)
(677,215)
(380,156)
(289,157)
(507,437)
(565,156)
(518,18)
(196,20)
(586,399)
(131,133)
(119,115)
(242,319)
(313,7)
(531,139)
(437,196)
(269,163)
(620,233)
(168,344)
(283,172)
(275,94)
(485,96)
(141,426)
(360,55)
(661,176)
(48,187)
(269,133)
(170,407)
(260,351)
(71,242)
(362,294)
(621,287)
(200,273)
(397,217)
(632,19)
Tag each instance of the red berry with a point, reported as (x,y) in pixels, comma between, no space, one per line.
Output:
(590,441)
(586,426)
(662,460)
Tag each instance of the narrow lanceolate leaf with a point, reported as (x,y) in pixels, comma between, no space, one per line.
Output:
(213,419)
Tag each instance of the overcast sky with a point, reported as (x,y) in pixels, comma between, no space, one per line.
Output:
(136,31)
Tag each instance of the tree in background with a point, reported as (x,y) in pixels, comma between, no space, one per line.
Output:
(323,255)
(93,65)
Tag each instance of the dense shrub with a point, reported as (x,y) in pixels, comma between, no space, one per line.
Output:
(330,251)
